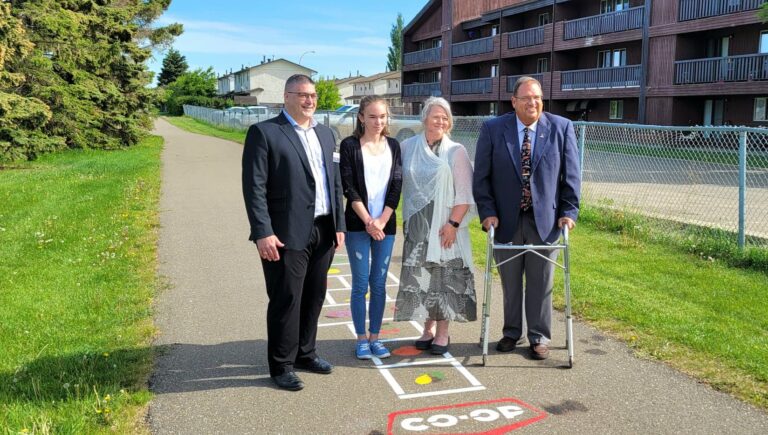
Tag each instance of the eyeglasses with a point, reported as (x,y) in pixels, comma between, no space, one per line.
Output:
(535,98)
(304,95)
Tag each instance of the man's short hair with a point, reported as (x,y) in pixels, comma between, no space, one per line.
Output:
(521,81)
(298,79)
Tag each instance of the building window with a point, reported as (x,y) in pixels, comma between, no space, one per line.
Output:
(760,109)
(617,109)
(611,58)
(494,108)
(764,41)
(494,70)
(544,19)
(608,6)
(542,65)
(494,30)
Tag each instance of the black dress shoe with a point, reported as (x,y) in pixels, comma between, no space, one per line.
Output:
(317,365)
(539,351)
(288,381)
(439,350)
(506,344)
(423,344)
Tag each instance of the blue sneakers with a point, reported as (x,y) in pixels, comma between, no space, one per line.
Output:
(363,350)
(379,350)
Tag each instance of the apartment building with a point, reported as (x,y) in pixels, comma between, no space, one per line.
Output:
(665,62)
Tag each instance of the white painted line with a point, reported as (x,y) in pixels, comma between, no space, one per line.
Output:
(440,393)
(330,299)
(393,277)
(389,298)
(391,340)
(463,370)
(346,322)
(344,282)
(421,362)
(392,382)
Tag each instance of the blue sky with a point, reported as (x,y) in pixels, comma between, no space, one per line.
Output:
(346,36)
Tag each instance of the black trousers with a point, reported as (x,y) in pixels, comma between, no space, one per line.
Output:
(296,286)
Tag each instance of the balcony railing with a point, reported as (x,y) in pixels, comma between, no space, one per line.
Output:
(601,78)
(422,90)
(472,86)
(476,46)
(694,9)
(611,22)
(525,38)
(512,79)
(722,69)
(422,56)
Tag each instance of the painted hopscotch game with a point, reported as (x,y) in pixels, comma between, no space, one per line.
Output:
(409,372)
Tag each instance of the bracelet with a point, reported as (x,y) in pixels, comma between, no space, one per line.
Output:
(453,223)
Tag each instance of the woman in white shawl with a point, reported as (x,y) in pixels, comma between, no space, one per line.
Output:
(436,281)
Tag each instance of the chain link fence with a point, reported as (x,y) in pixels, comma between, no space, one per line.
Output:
(715,177)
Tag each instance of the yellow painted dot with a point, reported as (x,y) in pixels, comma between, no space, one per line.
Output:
(333,270)
(424,380)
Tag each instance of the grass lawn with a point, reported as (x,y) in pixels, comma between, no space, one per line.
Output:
(699,315)
(78,237)
(194,126)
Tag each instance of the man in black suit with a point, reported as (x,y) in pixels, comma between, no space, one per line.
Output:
(292,194)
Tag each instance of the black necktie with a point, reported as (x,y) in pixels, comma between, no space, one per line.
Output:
(525,160)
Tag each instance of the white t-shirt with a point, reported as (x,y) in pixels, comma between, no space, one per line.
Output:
(377,170)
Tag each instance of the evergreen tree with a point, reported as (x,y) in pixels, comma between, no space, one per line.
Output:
(763,12)
(21,118)
(88,66)
(174,65)
(394,58)
(327,94)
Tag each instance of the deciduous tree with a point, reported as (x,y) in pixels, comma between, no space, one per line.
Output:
(327,95)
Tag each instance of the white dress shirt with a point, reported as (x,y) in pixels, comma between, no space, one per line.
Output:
(315,156)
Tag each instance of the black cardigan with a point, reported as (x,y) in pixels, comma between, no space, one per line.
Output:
(353,182)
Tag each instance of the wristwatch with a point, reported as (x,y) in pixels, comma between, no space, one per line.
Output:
(453,223)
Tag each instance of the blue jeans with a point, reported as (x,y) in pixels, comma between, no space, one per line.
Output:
(359,246)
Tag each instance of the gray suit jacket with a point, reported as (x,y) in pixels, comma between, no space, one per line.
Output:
(278,185)
(555,174)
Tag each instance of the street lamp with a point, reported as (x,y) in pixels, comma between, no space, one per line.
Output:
(306,52)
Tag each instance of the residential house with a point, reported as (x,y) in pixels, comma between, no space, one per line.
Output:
(262,84)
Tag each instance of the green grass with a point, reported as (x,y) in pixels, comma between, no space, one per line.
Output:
(677,299)
(194,126)
(724,157)
(78,237)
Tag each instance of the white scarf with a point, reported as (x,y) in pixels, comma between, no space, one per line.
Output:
(426,178)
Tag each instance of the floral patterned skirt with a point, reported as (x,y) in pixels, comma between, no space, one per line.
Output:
(437,291)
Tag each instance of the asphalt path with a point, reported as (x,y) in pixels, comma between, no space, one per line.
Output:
(212,376)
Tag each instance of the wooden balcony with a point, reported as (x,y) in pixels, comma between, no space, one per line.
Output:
(695,9)
(422,56)
(722,69)
(601,78)
(422,90)
(470,48)
(612,22)
(525,38)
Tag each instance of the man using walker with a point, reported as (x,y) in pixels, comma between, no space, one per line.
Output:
(527,185)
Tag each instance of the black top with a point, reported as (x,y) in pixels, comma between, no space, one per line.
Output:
(353,182)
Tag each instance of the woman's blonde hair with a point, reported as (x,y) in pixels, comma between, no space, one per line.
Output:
(441,102)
